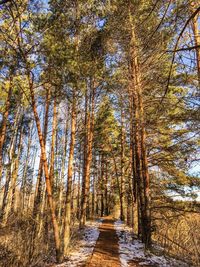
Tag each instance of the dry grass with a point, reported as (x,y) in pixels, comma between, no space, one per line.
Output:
(180,236)
(17,246)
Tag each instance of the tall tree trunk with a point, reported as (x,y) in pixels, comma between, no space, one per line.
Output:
(102,184)
(141,157)
(30,205)
(24,177)
(13,177)
(38,189)
(106,190)
(122,185)
(61,187)
(3,127)
(74,196)
(66,238)
(88,154)
(117,175)
(133,165)
(195,26)
(79,184)
(85,149)
(94,198)
(11,165)
(42,210)
(46,172)
(136,148)
(53,140)
(15,171)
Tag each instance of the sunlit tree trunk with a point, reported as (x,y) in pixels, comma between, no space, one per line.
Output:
(195,27)
(25,170)
(13,177)
(38,188)
(46,172)
(85,152)
(61,187)
(16,170)
(3,127)
(140,141)
(42,210)
(67,223)
(88,154)
(10,168)
(53,141)
(94,197)
(31,190)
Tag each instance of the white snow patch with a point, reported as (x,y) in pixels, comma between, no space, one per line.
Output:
(131,249)
(85,246)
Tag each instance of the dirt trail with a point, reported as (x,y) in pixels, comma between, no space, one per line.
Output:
(106,250)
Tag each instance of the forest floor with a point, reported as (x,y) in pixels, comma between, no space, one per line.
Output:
(110,243)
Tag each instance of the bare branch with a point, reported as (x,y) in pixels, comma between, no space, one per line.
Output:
(175,48)
(184,49)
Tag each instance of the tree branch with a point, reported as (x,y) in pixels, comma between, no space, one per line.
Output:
(184,49)
(175,48)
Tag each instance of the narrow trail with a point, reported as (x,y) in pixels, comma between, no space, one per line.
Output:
(106,250)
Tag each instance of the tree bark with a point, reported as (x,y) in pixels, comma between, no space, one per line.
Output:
(46,173)
(4,126)
(195,27)
(122,193)
(38,188)
(61,187)
(88,154)
(14,174)
(11,156)
(66,238)
(140,143)
(24,177)
(53,140)
(133,165)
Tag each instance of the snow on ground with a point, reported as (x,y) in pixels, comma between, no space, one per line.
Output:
(84,248)
(132,249)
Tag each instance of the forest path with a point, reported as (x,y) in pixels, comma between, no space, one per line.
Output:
(106,253)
